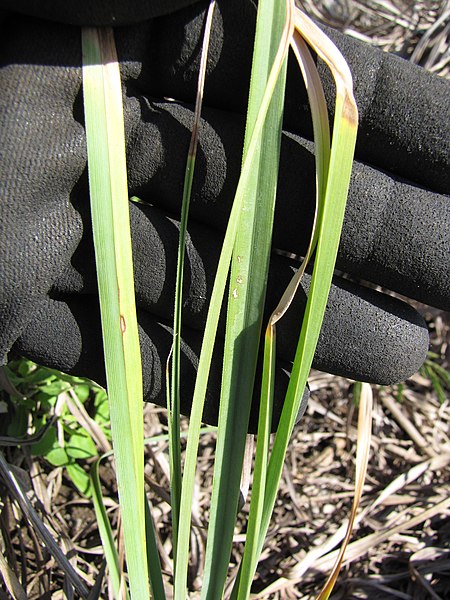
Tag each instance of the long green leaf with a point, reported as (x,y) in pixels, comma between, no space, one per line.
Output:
(329,228)
(153,560)
(108,543)
(112,240)
(319,114)
(248,281)
(173,404)
(213,318)
(106,532)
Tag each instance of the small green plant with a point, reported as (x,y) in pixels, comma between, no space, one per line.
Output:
(65,441)
(439,377)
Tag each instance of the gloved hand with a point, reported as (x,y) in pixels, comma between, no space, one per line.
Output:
(396,229)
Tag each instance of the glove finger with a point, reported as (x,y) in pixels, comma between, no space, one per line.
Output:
(66,335)
(404,111)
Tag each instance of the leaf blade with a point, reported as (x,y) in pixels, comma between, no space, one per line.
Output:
(105,136)
(248,279)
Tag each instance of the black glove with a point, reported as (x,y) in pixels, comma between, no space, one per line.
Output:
(396,230)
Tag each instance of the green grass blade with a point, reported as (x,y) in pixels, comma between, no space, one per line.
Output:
(241,589)
(153,560)
(174,402)
(248,282)
(319,114)
(112,240)
(109,546)
(106,532)
(212,322)
(329,228)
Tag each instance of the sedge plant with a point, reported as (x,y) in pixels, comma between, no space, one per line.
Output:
(244,263)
